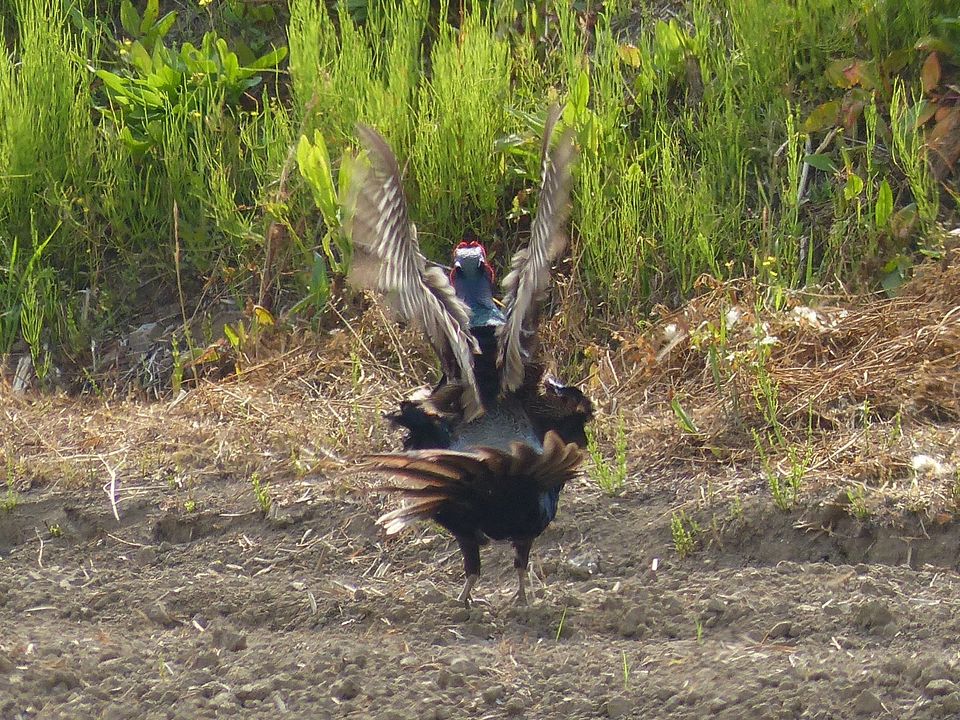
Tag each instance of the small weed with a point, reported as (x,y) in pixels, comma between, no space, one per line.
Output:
(563,618)
(766,391)
(626,670)
(785,489)
(190,505)
(955,489)
(684,531)
(736,509)
(683,419)
(261,491)
(55,530)
(610,475)
(857,499)
(10,499)
(699,624)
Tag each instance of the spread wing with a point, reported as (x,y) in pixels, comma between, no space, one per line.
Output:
(386,258)
(526,284)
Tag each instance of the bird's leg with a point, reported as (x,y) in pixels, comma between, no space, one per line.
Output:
(470,549)
(464,596)
(521,560)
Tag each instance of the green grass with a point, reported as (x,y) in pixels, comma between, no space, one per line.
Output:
(705,146)
(610,474)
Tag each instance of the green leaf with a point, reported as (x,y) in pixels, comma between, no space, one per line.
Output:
(854,186)
(314,163)
(683,419)
(164,24)
(270,60)
(823,116)
(884,208)
(140,57)
(580,93)
(150,15)
(130,18)
(114,82)
(821,162)
(138,146)
(630,55)
(231,336)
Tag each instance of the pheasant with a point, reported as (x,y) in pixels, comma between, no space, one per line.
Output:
(489,448)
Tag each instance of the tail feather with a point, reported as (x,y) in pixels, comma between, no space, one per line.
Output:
(431,481)
(422,508)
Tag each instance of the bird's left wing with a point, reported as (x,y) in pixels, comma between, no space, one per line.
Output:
(386,258)
(529,276)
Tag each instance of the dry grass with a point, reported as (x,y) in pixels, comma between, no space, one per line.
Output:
(871,385)
(868,385)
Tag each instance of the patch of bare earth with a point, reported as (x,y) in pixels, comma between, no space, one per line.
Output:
(139,575)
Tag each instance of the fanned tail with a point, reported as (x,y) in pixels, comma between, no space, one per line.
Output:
(480,481)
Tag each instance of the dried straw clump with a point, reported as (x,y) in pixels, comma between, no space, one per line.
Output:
(825,354)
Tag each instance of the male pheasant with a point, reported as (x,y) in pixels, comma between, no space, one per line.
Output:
(490,447)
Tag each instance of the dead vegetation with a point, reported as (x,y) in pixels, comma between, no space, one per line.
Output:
(855,400)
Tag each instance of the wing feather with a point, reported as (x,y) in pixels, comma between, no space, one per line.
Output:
(525,285)
(387,259)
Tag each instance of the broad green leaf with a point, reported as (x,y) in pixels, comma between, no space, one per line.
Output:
(884,208)
(140,57)
(165,23)
(150,15)
(314,163)
(823,116)
(232,336)
(270,60)
(854,186)
(231,67)
(820,162)
(114,82)
(138,146)
(130,18)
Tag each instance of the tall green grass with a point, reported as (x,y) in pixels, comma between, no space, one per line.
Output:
(695,146)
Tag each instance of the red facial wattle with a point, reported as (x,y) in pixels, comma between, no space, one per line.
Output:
(470,245)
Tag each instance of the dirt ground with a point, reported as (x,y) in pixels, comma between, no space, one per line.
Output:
(222,612)
(141,578)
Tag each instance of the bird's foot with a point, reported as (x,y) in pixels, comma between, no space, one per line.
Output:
(464,596)
(521,597)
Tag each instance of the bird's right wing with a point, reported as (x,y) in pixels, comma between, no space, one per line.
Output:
(387,259)
(526,284)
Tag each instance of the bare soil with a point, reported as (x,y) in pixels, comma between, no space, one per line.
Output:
(308,612)
(140,578)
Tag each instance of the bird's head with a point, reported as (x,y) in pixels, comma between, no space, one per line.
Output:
(470,265)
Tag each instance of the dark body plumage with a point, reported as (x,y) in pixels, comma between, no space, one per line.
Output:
(491,445)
